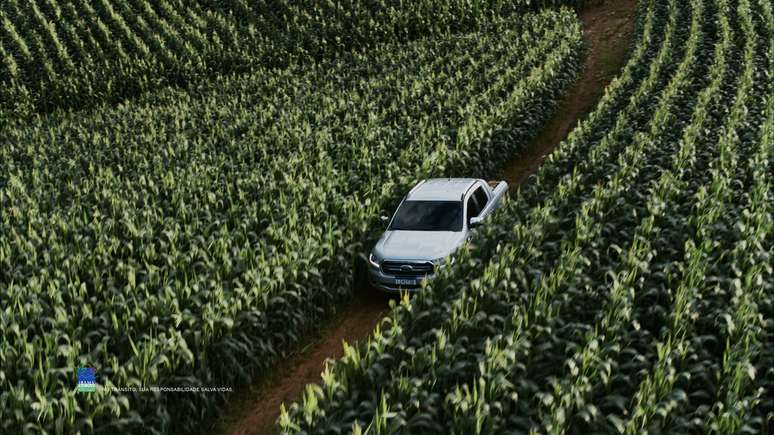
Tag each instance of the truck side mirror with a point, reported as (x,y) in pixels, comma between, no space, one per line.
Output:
(475,222)
(384,219)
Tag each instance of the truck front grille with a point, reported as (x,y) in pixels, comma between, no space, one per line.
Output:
(407,268)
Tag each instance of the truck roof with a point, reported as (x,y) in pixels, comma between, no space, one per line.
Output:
(441,189)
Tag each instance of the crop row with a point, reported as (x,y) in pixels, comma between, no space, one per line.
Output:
(318,29)
(192,237)
(627,288)
(74,54)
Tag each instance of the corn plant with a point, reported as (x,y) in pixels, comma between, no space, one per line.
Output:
(625,288)
(146,45)
(194,236)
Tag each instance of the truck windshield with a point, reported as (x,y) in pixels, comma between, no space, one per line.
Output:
(428,216)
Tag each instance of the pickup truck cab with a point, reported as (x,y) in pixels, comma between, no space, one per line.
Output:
(431,222)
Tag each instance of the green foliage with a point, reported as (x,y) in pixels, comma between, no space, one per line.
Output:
(192,237)
(79,53)
(627,288)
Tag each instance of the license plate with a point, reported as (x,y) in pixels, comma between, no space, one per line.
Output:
(406,282)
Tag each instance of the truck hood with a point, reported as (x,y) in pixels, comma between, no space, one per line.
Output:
(418,245)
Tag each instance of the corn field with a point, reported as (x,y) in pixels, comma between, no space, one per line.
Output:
(71,54)
(192,237)
(627,288)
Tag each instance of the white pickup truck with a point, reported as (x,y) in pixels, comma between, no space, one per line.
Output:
(432,221)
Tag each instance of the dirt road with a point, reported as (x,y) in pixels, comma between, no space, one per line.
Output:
(607,33)
(608,30)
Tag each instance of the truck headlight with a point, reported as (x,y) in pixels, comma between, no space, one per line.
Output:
(373,260)
(441,262)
